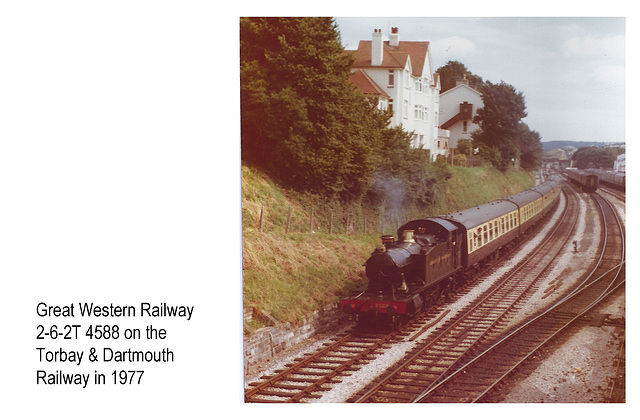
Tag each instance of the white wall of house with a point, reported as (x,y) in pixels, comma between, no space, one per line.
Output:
(414,100)
(450,106)
(415,104)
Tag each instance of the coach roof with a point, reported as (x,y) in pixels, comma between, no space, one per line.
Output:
(476,216)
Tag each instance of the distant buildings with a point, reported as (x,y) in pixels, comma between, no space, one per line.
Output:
(620,164)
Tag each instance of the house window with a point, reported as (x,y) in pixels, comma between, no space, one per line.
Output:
(464,126)
(391,78)
(391,105)
(419,85)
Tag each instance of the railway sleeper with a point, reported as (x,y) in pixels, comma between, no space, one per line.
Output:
(395,394)
(261,400)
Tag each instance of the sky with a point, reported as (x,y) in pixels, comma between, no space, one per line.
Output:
(571,71)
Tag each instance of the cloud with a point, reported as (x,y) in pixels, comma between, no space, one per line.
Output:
(589,46)
(453,46)
(611,75)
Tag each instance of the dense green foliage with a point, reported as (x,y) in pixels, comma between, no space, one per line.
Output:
(306,125)
(291,275)
(503,137)
(530,145)
(596,157)
(454,70)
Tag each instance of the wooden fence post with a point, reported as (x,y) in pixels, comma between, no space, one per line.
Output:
(311,228)
(331,223)
(262,219)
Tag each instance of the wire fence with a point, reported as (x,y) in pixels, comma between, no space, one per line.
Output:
(330,221)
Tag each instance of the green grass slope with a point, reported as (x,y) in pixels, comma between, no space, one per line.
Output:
(290,275)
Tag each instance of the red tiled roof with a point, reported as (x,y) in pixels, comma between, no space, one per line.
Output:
(366,84)
(394,57)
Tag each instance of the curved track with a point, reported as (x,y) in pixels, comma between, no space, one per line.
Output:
(436,369)
(475,380)
(479,323)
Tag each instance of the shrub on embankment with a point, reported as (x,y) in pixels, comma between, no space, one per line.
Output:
(308,252)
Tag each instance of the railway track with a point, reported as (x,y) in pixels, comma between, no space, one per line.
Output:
(304,379)
(438,357)
(473,327)
(479,378)
(308,377)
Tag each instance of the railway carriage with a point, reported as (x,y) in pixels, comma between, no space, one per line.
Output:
(432,255)
(488,228)
(587,181)
(611,178)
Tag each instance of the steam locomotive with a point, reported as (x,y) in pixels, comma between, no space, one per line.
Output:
(433,256)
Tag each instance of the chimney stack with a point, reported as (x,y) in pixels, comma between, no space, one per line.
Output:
(376,48)
(463,81)
(394,39)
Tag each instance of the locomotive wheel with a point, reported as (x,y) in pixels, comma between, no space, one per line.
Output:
(395,323)
(428,302)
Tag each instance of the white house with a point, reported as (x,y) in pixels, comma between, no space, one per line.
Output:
(458,106)
(620,164)
(402,71)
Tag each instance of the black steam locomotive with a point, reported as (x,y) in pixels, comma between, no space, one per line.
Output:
(432,256)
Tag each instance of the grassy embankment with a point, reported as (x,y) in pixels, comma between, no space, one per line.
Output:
(291,275)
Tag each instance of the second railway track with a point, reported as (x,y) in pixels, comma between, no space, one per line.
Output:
(437,358)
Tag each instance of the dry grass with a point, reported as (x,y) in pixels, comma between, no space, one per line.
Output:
(292,275)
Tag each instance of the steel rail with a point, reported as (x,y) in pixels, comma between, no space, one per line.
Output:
(461,318)
(586,284)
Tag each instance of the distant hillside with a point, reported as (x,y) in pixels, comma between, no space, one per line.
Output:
(556,154)
(559,144)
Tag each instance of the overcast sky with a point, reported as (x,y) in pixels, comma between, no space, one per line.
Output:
(570,70)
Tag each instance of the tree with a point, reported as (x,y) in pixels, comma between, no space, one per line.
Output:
(301,119)
(454,70)
(530,147)
(499,121)
(596,157)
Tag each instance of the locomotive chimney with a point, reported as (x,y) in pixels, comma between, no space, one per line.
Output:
(387,240)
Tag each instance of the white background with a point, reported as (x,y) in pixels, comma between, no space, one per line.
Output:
(120,183)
